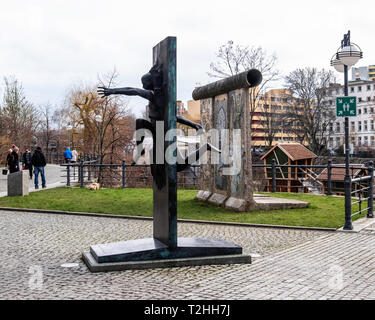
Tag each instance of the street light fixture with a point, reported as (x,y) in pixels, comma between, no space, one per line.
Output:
(347,56)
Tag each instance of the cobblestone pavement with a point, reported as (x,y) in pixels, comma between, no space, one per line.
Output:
(293,264)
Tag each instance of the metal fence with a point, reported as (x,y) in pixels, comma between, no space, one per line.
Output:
(122,175)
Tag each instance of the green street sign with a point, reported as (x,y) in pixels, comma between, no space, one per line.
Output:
(346,106)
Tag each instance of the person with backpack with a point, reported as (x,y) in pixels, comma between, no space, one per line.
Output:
(26,159)
(39,162)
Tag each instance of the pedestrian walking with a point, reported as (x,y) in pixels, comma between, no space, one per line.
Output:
(74,156)
(67,155)
(12,159)
(26,160)
(38,160)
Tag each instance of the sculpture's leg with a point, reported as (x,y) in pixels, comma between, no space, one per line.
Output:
(141,125)
(188,123)
(194,156)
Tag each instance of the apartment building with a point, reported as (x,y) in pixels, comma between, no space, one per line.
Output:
(363,73)
(362,126)
(269,121)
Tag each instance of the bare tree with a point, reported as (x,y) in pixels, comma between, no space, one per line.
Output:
(103,125)
(45,129)
(19,117)
(270,122)
(233,59)
(309,113)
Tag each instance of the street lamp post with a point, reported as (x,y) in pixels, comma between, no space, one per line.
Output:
(347,56)
(69,127)
(99,119)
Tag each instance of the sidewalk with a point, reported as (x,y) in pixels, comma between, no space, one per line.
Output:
(54,178)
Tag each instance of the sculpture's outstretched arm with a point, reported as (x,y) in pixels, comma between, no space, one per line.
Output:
(128,91)
(188,123)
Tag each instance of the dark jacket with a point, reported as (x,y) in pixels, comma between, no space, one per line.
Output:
(38,159)
(26,159)
(13,162)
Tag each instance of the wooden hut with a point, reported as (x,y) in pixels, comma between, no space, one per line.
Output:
(338,176)
(289,179)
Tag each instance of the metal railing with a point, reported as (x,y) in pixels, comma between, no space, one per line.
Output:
(365,193)
(122,175)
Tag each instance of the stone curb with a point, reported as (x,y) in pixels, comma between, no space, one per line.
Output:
(102,215)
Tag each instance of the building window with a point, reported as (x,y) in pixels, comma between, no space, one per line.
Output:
(368,87)
(364,110)
(365,142)
(365,125)
(368,98)
(372,124)
(371,110)
(351,89)
(330,142)
(330,127)
(352,127)
(372,139)
(337,127)
(359,89)
(359,111)
(359,126)
(359,141)
(359,99)
(337,142)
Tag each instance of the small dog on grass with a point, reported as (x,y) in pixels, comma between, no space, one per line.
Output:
(94,186)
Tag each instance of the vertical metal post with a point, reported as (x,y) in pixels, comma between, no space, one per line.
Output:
(81,173)
(273,175)
(370,201)
(68,175)
(89,168)
(347,181)
(123,167)
(329,177)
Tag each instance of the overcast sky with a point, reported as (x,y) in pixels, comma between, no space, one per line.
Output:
(51,45)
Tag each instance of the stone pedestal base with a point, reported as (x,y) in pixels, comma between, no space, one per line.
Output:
(151,253)
(235,204)
(217,199)
(203,195)
(18,183)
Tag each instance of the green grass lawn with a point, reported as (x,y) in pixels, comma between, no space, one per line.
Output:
(323,211)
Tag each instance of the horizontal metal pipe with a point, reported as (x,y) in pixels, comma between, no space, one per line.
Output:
(247,79)
(361,178)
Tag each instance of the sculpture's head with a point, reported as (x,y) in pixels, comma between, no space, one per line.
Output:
(147,81)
